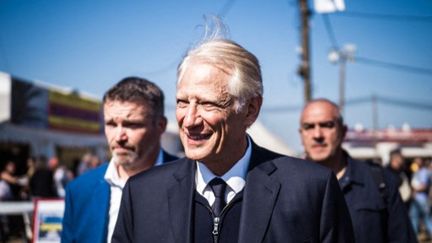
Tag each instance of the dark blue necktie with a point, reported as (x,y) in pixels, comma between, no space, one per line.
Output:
(218,187)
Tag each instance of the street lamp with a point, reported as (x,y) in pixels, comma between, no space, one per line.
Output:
(341,56)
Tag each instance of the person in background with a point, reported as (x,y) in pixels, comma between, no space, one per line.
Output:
(15,183)
(420,210)
(228,189)
(62,175)
(41,183)
(397,167)
(371,193)
(85,163)
(134,122)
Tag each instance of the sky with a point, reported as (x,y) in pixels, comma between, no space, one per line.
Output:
(91,45)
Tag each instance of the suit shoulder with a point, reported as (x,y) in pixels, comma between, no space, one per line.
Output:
(297,164)
(161,171)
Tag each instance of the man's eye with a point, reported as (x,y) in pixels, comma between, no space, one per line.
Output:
(308,126)
(181,103)
(209,105)
(329,124)
(109,124)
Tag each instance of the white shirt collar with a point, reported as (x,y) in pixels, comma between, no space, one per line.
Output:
(235,177)
(112,176)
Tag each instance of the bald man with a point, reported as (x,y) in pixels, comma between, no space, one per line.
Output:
(378,214)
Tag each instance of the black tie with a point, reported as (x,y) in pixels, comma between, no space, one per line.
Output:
(218,187)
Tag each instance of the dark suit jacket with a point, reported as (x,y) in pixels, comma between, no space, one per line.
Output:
(377,216)
(87,206)
(285,200)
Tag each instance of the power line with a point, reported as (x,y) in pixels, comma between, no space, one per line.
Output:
(405,103)
(170,66)
(370,61)
(417,18)
(282,109)
(173,64)
(226,8)
(419,105)
(395,66)
(330,33)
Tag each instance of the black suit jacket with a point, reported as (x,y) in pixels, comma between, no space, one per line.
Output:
(285,200)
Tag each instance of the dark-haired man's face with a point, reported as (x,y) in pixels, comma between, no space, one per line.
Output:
(131,132)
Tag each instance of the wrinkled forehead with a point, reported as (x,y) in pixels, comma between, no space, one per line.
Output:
(202,78)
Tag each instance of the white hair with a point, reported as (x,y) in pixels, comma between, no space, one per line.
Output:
(215,49)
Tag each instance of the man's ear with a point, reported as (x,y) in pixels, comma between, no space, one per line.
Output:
(162,124)
(344,131)
(252,110)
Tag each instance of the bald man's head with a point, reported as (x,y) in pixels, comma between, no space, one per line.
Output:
(321,129)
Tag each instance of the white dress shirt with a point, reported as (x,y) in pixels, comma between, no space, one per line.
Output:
(116,187)
(235,178)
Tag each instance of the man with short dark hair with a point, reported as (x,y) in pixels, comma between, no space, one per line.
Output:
(134,122)
(371,193)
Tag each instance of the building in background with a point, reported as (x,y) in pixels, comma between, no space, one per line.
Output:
(38,119)
(377,144)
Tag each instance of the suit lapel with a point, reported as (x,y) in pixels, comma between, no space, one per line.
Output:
(259,197)
(180,197)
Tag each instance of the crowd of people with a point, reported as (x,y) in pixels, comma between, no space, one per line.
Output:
(415,186)
(226,188)
(44,178)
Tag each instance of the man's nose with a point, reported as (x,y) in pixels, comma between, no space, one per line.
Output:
(317,133)
(192,117)
(120,134)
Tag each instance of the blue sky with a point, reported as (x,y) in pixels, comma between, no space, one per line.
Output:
(90,45)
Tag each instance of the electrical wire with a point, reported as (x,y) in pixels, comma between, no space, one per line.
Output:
(226,8)
(330,32)
(222,13)
(417,18)
(399,67)
(405,103)
(419,105)
(370,61)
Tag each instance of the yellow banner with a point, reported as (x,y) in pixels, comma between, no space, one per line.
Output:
(71,123)
(73,100)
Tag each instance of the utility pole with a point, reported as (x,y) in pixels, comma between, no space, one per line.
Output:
(341,56)
(304,69)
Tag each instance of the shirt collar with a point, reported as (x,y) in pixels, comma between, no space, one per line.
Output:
(112,175)
(159,159)
(235,177)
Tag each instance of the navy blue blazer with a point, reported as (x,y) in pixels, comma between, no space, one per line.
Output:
(87,206)
(285,200)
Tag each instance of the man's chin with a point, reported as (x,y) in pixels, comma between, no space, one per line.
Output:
(196,154)
(319,158)
(123,160)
